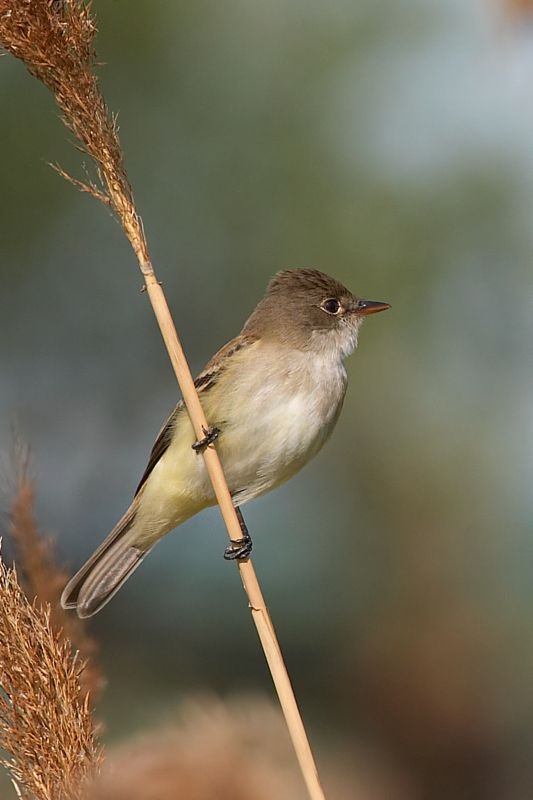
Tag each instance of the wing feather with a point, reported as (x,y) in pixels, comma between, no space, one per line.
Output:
(204,382)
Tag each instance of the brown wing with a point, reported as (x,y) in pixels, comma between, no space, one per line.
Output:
(161,444)
(204,382)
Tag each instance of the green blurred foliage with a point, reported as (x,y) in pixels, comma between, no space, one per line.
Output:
(390,145)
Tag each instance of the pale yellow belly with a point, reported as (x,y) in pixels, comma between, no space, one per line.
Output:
(267,434)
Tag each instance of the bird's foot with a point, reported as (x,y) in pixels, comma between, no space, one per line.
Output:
(211,434)
(239,549)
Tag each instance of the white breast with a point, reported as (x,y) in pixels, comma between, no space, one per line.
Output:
(285,410)
(275,410)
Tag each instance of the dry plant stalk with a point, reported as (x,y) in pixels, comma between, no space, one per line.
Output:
(55,39)
(195,755)
(42,580)
(45,720)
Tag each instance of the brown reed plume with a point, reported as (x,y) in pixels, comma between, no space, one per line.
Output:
(46,729)
(55,40)
(235,749)
(42,579)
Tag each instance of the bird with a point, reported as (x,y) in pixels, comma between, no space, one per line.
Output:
(272,396)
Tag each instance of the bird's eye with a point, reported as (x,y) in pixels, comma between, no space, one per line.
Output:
(331,306)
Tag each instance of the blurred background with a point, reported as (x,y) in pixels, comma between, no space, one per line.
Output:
(391,145)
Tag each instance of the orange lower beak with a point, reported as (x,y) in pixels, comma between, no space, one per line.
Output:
(365,307)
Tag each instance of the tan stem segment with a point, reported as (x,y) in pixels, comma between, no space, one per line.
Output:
(259,611)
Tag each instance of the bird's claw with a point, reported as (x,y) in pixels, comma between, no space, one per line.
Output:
(211,434)
(239,549)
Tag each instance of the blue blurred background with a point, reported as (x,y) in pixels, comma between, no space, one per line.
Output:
(391,145)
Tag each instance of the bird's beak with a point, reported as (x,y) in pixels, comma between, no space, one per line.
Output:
(365,307)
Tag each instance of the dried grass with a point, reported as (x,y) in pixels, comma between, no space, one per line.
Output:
(228,751)
(46,727)
(55,40)
(42,580)
(46,684)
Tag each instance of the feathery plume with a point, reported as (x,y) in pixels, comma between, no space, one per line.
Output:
(40,577)
(55,40)
(46,729)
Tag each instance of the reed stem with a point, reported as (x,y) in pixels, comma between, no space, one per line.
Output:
(256,602)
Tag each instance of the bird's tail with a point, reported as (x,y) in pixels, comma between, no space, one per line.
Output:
(106,570)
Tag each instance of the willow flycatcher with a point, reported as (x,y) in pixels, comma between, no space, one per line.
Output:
(272,395)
